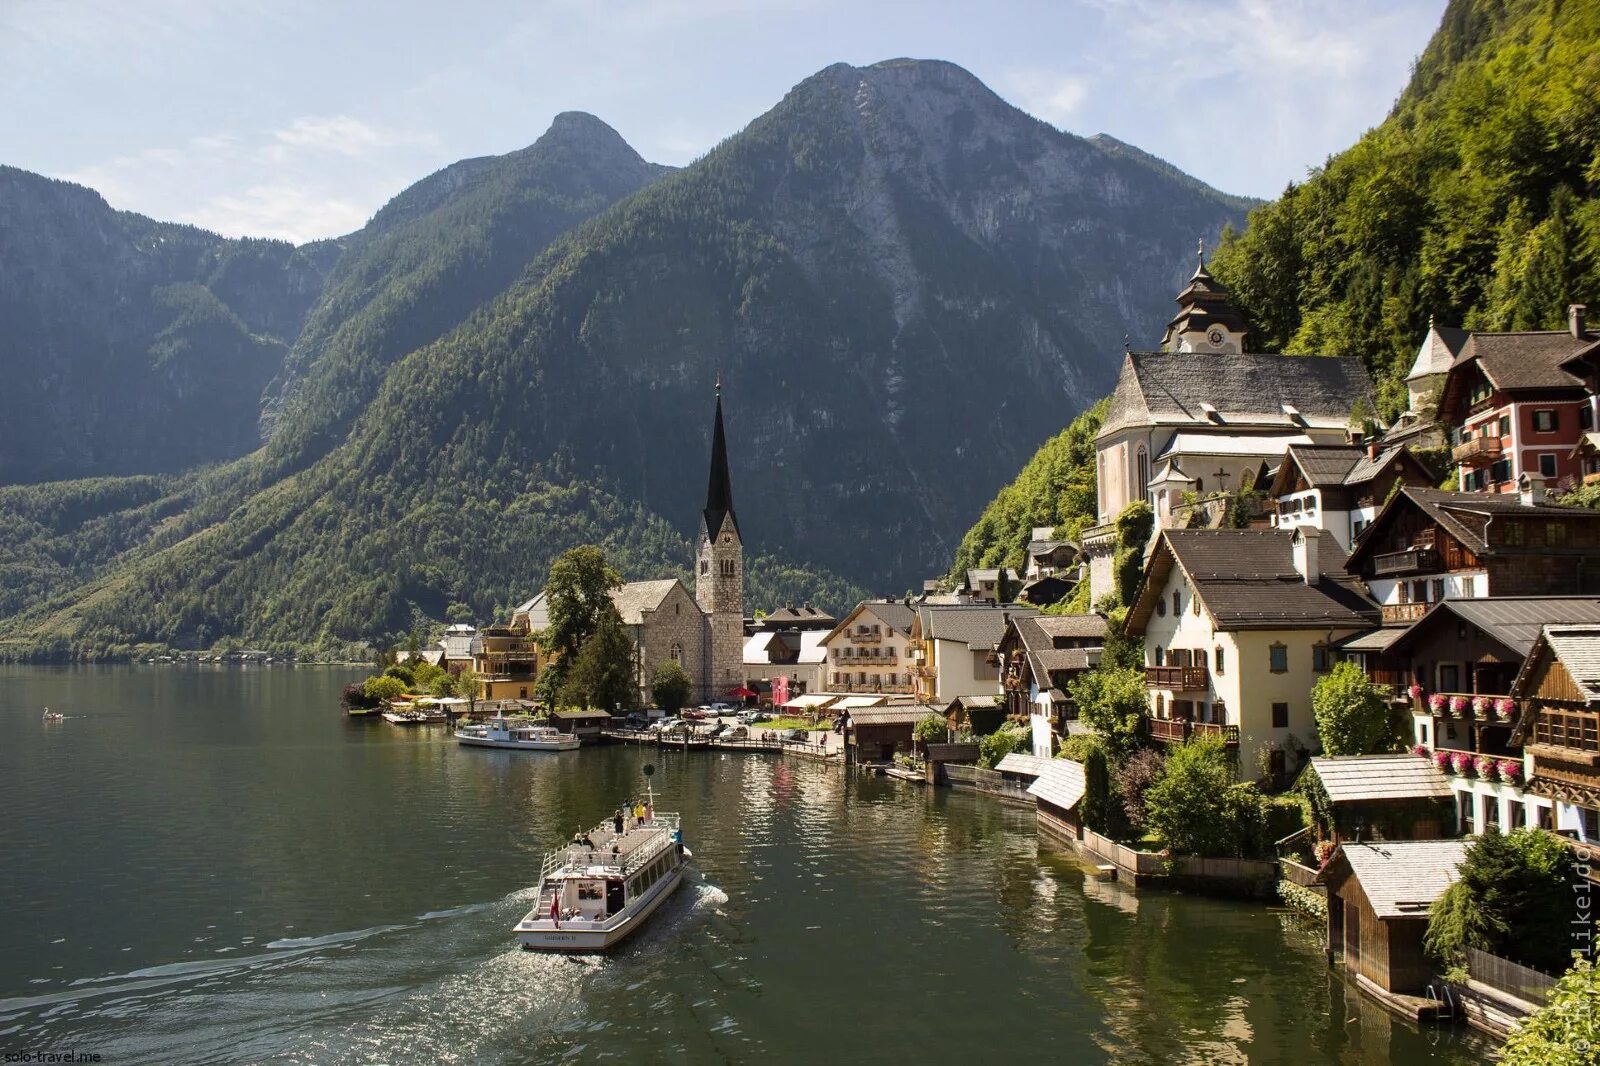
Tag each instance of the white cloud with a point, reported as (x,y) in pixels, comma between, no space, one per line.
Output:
(1056,98)
(324,176)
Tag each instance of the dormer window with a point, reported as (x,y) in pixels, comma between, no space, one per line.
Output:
(1210,412)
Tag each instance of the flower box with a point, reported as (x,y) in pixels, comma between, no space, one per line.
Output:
(1437,703)
(1463,763)
(1487,767)
(1442,760)
(1422,750)
(1504,709)
(1511,771)
(1458,705)
(1481,705)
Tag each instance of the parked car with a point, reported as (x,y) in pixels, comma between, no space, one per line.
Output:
(694,714)
(635,721)
(669,725)
(796,734)
(752,717)
(736,732)
(722,705)
(717,730)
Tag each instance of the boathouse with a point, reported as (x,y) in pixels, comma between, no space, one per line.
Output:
(1058,790)
(587,724)
(1383,797)
(877,734)
(1378,900)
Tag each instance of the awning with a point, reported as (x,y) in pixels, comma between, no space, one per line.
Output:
(810,701)
(850,703)
(1374,641)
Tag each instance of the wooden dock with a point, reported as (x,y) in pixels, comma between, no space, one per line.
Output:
(685,742)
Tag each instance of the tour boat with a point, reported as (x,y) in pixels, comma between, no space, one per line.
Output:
(601,888)
(501,732)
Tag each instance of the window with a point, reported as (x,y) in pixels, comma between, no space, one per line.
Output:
(1161,608)
(729,568)
(1278,658)
(1547,465)
(1505,425)
(1500,471)
(1177,603)
(1464,810)
(1438,589)
(1144,474)
(1545,421)
(1280,716)
(1515,534)
(705,566)
(1200,657)
(1469,586)
(1217,655)
(1319,658)
(1449,677)
(1160,656)
(1161,706)
(676,653)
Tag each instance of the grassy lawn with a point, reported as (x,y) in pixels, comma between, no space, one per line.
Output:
(791,723)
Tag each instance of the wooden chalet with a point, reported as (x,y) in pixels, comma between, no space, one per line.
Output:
(878,734)
(1428,545)
(1039,657)
(1378,900)
(586,724)
(1559,727)
(1339,487)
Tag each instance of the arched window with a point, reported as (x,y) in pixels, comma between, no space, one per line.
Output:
(677,653)
(1144,474)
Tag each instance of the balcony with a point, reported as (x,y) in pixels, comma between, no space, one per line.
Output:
(1411,561)
(866,636)
(1176,678)
(1480,451)
(1178,730)
(1403,613)
(1575,733)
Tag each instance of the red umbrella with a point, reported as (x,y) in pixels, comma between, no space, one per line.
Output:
(742,692)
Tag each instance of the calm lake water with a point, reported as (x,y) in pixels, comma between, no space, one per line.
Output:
(213,865)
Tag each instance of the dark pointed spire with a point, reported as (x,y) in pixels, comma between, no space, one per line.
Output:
(719,488)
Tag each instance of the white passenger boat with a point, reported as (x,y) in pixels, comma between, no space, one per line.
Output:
(501,732)
(598,890)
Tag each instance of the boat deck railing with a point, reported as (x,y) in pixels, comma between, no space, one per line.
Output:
(641,844)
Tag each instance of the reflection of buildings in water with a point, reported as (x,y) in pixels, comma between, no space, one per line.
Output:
(1111,894)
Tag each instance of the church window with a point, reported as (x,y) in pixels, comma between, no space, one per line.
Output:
(705,566)
(1144,474)
(677,653)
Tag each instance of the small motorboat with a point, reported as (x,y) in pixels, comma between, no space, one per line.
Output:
(599,890)
(502,732)
(53,716)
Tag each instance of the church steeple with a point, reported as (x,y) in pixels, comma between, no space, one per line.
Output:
(1206,320)
(719,487)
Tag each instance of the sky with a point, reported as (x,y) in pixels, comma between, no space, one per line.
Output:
(298,119)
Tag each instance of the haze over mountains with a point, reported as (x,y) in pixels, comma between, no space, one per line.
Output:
(905,283)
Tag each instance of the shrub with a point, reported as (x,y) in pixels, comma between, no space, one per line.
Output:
(670,686)
(402,674)
(383,687)
(1566,1030)
(1196,807)
(1512,898)
(1352,712)
(1000,743)
(355,695)
(932,729)
(1133,779)
(1112,701)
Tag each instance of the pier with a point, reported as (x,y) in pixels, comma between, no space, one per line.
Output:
(689,742)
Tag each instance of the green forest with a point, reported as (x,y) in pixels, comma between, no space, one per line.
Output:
(1474,203)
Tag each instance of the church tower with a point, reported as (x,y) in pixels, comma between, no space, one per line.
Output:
(1206,321)
(719,572)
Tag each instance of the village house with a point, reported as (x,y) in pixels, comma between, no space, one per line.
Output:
(1559,726)
(1454,669)
(878,734)
(796,656)
(1237,625)
(791,617)
(701,631)
(1339,487)
(869,651)
(1518,403)
(1378,900)
(1192,425)
(456,645)
(955,650)
(1428,545)
(506,662)
(1039,657)
(995,585)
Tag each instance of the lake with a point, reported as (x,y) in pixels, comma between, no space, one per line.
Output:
(211,864)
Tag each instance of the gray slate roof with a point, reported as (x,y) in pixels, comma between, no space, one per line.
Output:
(896,613)
(1246,579)
(1018,763)
(1364,778)
(1245,389)
(636,597)
(1402,878)
(900,714)
(1466,515)
(1514,621)
(978,627)
(1578,649)
(1530,360)
(1037,636)
(1439,350)
(1061,783)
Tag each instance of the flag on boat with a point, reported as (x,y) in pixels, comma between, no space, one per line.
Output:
(555,911)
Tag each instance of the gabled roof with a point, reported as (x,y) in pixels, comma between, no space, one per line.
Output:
(1329,465)
(980,627)
(586,714)
(636,597)
(1439,350)
(1061,783)
(1528,360)
(1018,763)
(894,613)
(1246,579)
(757,646)
(1163,388)
(1401,878)
(1466,516)
(1364,778)
(1513,621)
(1037,637)
(807,615)
(1577,649)
(903,714)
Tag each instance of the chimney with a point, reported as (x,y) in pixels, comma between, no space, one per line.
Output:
(1304,547)
(1575,320)
(1372,448)
(1530,487)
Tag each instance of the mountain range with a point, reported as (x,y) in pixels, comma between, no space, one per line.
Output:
(904,283)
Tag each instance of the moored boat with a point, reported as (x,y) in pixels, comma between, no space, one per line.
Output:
(502,732)
(600,889)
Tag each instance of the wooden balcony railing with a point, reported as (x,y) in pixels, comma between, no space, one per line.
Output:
(1403,612)
(1479,451)
(1410,561)
(1178,730)
(1176,678)
(866,637)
